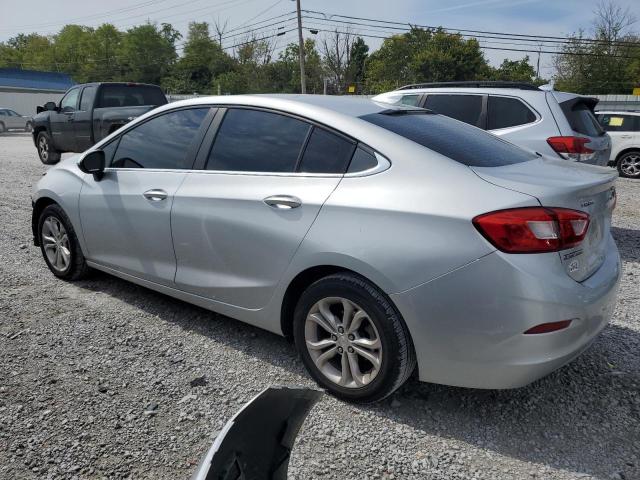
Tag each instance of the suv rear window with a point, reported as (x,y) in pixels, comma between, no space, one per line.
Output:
(581,118)
(462,143)
(504,112)
(130,96)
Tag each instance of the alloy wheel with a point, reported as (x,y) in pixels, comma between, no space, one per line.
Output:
(630,165)
(343,342)
(55,242)
(43,147)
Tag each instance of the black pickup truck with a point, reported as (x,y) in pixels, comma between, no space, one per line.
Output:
(87,113)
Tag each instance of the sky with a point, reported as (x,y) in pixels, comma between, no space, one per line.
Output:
(553,18)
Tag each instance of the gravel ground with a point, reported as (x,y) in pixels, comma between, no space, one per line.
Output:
(81,362)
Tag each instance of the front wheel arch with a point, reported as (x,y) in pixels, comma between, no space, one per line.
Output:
(38,208)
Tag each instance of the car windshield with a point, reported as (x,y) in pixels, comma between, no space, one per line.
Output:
(130,96)
(457,140)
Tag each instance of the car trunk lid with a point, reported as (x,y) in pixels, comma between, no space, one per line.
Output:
(555,183)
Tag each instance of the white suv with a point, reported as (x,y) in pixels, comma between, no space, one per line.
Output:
(545,121)
(624,130)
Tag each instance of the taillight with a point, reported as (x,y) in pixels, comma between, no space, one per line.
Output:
(533,229)
(571,148)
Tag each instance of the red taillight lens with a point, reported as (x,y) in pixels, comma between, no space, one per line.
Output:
(570,147)
(548,327)
(533,229)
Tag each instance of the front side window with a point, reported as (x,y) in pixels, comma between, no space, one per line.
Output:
(619,123)
(70,100)
(326,152)
(162,142)
(504,112)
(466,108)
(13,114)
(257,141)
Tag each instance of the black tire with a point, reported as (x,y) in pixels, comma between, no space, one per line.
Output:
(633,154)
(398,355)
(48,155)
(77,266)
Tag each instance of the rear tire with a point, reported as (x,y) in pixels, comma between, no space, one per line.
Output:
(629,164)
(59,244)
(361,356)
(48,155)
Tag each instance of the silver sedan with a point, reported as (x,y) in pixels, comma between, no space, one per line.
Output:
(381,239)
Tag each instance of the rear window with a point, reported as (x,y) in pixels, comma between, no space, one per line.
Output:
(130,96)
(581,118)
(462,143)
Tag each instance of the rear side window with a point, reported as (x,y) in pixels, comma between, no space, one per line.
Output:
(130,96)
(88,96)
(581,118)
(504,112)
(162,142)
(411,100)
(462,143)
(362,160)
(466,108)
(619,123)
(326,153)
(257,141)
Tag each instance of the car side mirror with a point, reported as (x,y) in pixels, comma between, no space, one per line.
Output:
(39,109)
(50,106)
(93,163)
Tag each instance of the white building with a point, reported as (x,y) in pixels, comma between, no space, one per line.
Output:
(24,90)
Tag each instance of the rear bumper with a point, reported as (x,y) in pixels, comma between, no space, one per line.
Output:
(467,326)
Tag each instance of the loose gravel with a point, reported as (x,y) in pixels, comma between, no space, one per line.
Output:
(105,379)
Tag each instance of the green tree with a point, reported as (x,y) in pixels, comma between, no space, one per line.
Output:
(357,60)
(202,60)
(514,71)
(425,55)
(147,53)
(609,65)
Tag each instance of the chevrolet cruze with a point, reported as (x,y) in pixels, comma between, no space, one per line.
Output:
(383,239)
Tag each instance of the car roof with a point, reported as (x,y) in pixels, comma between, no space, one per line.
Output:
(294,103)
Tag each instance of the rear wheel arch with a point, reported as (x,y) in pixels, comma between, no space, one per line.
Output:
(625,151)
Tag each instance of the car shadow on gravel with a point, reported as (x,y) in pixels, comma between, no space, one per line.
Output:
(628,241)
(571,420)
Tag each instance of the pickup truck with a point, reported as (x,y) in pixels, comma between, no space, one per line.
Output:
(87,113)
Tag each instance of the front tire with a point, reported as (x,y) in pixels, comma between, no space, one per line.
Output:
(59,244)
(351,339)
(629,164)
(48,155)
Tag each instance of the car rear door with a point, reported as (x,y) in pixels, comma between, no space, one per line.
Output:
(82,118)
(125,216)
(61,122)
(466,107)
(624,130)
(238,221)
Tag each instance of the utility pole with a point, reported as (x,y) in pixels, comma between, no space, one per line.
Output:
(303,80)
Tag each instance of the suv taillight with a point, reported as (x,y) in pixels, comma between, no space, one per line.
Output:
(533,229)
(571,148)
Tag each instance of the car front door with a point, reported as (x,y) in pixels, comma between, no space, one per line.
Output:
(61,122)
(15,120)
(126,214)
(238,221)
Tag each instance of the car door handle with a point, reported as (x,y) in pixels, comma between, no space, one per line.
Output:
(155,195)
(285,202)
(625,136)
